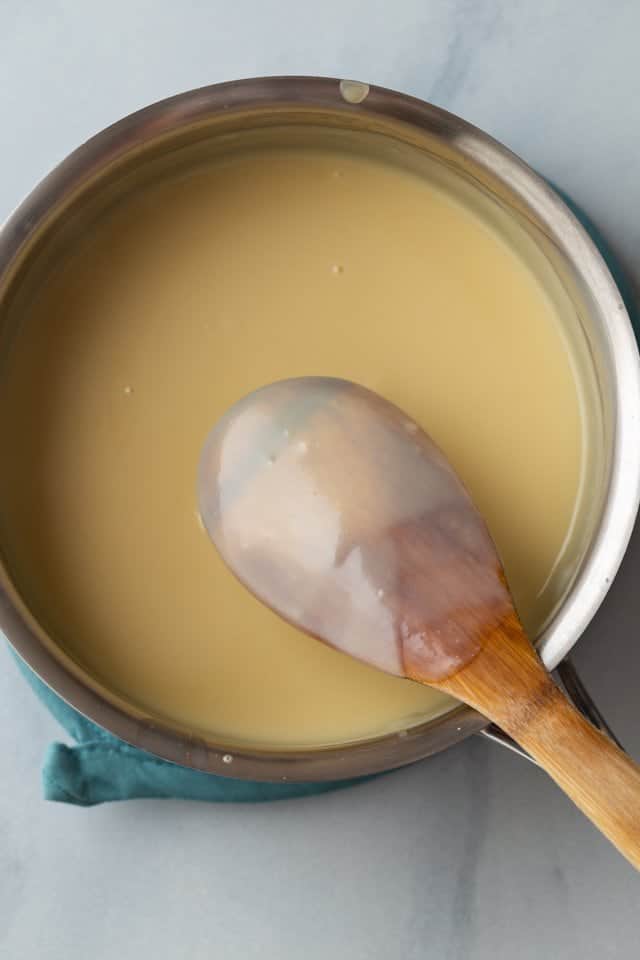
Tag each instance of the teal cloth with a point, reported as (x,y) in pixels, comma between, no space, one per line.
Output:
(101,767)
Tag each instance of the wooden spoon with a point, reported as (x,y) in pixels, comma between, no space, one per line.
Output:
(340,513)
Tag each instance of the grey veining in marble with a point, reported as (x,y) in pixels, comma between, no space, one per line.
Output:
(473,854)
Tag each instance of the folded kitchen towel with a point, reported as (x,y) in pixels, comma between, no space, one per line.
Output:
(101,767)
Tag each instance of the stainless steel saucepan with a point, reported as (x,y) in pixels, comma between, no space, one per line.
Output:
(133,151)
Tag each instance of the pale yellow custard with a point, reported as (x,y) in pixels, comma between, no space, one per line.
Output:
(267,264)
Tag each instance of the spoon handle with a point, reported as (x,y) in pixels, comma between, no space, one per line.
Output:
(508,684)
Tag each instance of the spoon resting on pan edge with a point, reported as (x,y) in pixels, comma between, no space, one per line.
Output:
(340,513)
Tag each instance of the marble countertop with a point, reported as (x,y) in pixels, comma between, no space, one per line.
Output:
(473,854)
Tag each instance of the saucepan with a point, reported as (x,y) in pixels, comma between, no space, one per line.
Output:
(133,150)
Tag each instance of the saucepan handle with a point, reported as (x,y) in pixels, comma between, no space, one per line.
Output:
(577,693)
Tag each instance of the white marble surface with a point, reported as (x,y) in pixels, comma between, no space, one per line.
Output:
(470,855)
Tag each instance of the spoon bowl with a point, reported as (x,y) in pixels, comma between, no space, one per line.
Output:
(318,494)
